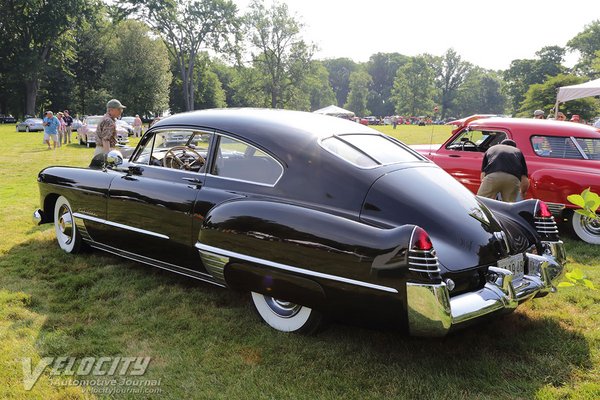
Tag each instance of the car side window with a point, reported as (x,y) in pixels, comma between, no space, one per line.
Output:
(476,140)
(176,149)
(241,161)
(555,147)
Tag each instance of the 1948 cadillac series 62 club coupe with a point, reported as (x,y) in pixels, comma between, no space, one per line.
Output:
(313,215)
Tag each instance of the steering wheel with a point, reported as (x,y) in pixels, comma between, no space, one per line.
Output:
(186,159)
(468,141)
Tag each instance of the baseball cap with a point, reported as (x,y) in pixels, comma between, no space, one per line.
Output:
(538,112)
(114,103)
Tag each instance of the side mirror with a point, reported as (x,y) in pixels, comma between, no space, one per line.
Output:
(114,158)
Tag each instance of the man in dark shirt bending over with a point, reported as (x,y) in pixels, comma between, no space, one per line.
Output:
(503,171)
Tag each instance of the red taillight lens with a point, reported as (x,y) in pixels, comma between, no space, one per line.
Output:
(421,240)
(542,210)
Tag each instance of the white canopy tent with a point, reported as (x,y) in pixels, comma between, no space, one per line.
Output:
(335,111)
(586,89)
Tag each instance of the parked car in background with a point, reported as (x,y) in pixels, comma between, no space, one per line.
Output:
(563,158)
(30,125)
(372,120)
(76,124)
(126,125)
(128,119)
(310,214)
(7,119)
(87,131)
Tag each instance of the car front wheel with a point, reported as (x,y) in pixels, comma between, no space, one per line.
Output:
(286,316)
(587,229)
(67,235)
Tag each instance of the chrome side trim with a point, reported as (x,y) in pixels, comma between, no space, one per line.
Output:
(215,264)
(117,225)
(156,263)
(232,254)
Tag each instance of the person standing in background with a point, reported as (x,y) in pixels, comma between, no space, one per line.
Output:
(137,126)
(538,114)
(61,128)
(106,132)
(504,171)
(68,126)
(51,124)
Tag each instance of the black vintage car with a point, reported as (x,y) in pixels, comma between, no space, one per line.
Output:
(313,215)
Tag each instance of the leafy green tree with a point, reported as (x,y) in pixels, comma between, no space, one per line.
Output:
(414,88)
(587,43)
(34,30)
(139,69)
(339,77)
(283,56)
(450,73)
(481,92)
(523,73)
(318,87)
(543,96)
(383,67)
(188,27)
(360,85)
(209,93)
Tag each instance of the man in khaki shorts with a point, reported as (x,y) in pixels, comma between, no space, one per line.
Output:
(106,132)
(504,171)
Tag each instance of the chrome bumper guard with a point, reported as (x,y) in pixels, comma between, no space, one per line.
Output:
(432,312)
(38,217)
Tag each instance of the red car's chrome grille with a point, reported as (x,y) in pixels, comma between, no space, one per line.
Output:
(423,261)
(545,225)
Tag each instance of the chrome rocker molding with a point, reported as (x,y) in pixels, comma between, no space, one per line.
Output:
(432,312)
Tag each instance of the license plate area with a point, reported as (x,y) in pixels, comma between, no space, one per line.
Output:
(515,264)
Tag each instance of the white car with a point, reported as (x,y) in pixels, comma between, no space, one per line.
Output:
(87,131)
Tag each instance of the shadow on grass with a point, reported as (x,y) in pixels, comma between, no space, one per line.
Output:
(95,304)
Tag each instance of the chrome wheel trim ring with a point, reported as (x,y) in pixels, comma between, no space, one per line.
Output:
(591,226)
(283,309)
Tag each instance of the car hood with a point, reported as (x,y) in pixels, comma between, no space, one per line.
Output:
(464,232)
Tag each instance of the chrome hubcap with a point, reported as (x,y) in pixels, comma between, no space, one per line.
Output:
(283,309)
(65,224)
(591,226)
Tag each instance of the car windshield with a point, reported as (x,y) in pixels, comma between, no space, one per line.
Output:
(368,151)
(155,149)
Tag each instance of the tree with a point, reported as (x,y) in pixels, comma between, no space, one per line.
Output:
(318,87)
(450,73)
(414,88)
(360,83)
(481,92)
(383,67)
(283,56)
(543,96)
(524,73)
(34,29)
(139,69)
(339,77)
(209,91)
(587,43)
(187,27)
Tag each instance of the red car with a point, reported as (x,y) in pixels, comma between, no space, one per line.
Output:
(563,158)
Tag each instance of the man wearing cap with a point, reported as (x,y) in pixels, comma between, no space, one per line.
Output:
(503,171)
(51,124)
(106,132)
(538,114)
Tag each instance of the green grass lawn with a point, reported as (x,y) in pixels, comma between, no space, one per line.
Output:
(207,343)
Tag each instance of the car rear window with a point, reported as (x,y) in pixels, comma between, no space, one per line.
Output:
(368,151)
(557,147)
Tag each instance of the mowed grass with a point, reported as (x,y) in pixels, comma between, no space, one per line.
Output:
(208,343)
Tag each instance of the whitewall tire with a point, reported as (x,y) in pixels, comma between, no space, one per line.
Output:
(586,229)
(285,316)
(67,235)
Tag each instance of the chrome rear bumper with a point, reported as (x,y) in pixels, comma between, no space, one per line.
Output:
(432,312)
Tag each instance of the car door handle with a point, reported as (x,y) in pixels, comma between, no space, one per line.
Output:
(193,180)
(454,156)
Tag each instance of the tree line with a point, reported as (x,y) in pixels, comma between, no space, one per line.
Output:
(180,55)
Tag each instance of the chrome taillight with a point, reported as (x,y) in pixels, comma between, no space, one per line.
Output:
(421,255)
(543,219)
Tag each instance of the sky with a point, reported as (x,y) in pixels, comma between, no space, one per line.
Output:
(489,34)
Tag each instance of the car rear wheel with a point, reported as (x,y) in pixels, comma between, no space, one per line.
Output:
(67,235)
(285,316)
(587,229)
